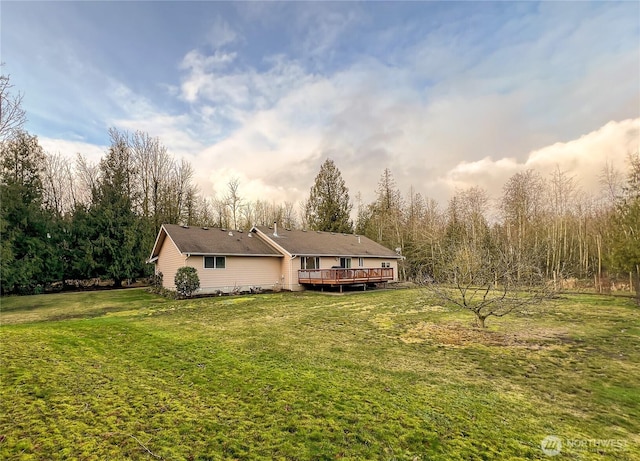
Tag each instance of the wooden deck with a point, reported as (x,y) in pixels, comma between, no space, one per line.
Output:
(339,277)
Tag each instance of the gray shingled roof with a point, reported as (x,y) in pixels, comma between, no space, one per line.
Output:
(202,241)
(314,243)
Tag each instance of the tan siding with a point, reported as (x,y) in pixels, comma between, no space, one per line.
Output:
(394,264)
(377,262)
(169,261)
(290,271)
(240,271)
(327,262)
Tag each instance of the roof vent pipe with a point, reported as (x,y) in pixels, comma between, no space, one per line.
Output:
(275,228)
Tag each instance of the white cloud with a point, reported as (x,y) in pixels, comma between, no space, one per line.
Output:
(444,107)
(323,28)
(173,132)
(70,149)
(584,158)
(289,120)
(436,112)
(197,62)
(221,33)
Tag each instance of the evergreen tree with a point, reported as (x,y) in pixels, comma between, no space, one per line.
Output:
(328,207)
(29,258)
(114,247)
(82,262)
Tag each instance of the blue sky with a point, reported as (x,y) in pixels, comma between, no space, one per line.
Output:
(445,94)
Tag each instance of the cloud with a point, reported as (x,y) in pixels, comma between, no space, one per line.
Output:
(289,120)
(436,114)
(451,97)
(323,29)
(197,62)
(584,158)
(221,34)
(70,149)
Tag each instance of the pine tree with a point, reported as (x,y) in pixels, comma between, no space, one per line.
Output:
(29,258)
(112,227)
(328,207)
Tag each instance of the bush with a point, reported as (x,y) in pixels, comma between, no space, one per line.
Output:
(155,282)
(187,281)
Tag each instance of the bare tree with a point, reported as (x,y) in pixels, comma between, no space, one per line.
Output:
(265,213)
(57,183)
(177,193)
(562,192)
(248,215)
(289,215)
(205,213)
(302,206)
(522,207)
(12,115)
(612,182)
(490,282)
(88,179)
(153,165)
(221,213)
(233,200)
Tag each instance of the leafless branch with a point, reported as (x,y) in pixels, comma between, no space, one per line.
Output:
(12,115)
(145,447)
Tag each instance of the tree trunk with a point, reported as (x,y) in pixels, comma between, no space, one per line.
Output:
(637,283)
(480,320)
(599,245)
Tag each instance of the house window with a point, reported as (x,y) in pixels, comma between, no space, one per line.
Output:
(385,264)
(215,262)
(310,262)
(360,262)
(345,263)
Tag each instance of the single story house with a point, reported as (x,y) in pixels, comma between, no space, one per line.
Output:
(267,258)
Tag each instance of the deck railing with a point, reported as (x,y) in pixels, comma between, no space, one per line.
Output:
(344,276)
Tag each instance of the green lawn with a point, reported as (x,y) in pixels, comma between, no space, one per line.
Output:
(381,375)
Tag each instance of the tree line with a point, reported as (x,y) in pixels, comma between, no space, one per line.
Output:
(78,220)
(67,220)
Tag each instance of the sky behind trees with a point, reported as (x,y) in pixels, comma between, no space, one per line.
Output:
(445,95)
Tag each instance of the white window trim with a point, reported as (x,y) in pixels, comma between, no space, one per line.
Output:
(305,259)
(215,266)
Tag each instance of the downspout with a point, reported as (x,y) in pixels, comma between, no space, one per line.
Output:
(291,272)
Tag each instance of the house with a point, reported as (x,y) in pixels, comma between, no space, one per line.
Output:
(268,258)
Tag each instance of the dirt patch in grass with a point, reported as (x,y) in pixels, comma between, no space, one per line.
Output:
(461,335)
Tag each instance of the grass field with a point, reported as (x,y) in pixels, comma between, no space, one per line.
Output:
(381,375)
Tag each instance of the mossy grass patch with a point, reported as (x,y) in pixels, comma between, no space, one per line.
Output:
(296,376)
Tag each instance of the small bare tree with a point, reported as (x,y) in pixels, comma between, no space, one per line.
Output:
(489,282)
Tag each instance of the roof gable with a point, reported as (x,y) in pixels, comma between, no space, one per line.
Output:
(212,241)
(316,243)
